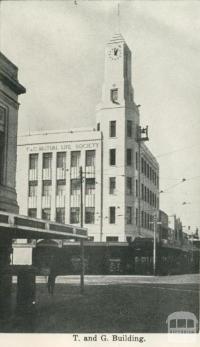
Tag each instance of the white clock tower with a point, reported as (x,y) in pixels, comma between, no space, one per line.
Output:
(117,119)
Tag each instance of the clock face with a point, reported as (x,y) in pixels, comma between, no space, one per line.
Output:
(115,52)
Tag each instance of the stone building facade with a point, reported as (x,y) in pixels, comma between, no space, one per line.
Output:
(10,88)
(116,175)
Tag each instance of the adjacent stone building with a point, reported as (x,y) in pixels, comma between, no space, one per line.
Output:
(10,88)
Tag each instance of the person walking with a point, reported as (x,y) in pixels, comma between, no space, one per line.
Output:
(51,282)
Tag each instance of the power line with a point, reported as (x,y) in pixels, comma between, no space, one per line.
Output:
(176,150)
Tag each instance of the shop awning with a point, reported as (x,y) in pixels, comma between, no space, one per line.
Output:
(23,227)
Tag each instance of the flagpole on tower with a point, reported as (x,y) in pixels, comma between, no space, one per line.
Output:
(118,17)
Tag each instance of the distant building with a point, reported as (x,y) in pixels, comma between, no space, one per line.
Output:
(10,88)
(163,228)
(176,226)
(48,175)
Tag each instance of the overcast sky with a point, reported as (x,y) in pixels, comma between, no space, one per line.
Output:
(59,49)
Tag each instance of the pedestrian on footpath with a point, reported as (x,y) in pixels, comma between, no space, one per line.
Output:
(51,281)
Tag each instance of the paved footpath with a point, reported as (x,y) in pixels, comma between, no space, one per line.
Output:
(106,280)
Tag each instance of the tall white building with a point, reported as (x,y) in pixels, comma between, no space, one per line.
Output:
(120,181)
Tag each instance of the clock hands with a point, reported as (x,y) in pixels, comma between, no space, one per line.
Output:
(115,51)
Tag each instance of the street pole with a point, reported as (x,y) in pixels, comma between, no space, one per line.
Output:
(81,197)
(139,188)
(81,224)
(154,245)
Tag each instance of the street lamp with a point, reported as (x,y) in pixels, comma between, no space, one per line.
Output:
(155,223)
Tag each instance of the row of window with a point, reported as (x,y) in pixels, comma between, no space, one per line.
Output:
(75,214)
(61,160)
(61,187)
(129,156)
(113,128)
(146,220)
(90,161)
(148,171)
(148,196)
(60,214)
(112,185)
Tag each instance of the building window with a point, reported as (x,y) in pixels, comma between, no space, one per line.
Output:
(47,160)
(114,95)
(112,185)
(33,161)
(129,128)
(136,160)
(145,219)
(61,160)
(142,165)
(136,188)
(112,238)
(75,186)
(112,128)
(46,188)
(157,181)
(2,118)
(75,158)
(129,215)
(148,170)
(154,178)
(60,187)
(98,126)
(32,189)
(90,158)
(112,215)
(142,213)
(136,216)
(89,186)
(145,193)
(145,167)
(147,225)
(32,212)
(46,213)
(75,215)
(89,215)
(148,195)
(112,156)
(129,156)
(142,186)
(129,185)
(150,173)
(60,215)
